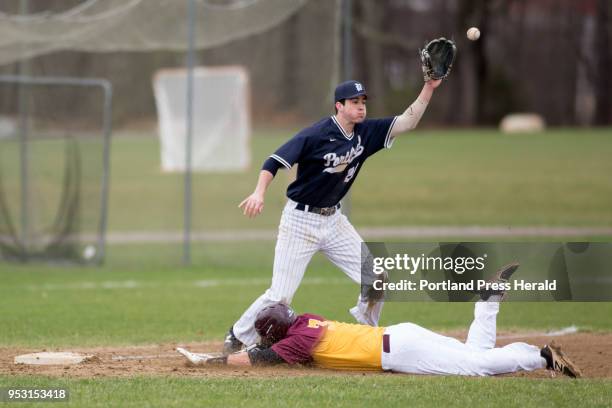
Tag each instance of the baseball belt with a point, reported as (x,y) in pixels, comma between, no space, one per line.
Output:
(325,211)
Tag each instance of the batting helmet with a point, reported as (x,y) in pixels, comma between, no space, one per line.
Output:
(272,322)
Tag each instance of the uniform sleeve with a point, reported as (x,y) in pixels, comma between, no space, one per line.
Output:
(378,133)
(290,153)
(294,349)
(271,165)
(301,338)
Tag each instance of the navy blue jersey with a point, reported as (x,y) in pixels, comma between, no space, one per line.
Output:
(329,160)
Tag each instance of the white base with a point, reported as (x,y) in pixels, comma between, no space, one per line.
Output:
(49,358)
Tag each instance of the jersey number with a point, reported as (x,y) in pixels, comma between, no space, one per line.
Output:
(315,324)
(351,173)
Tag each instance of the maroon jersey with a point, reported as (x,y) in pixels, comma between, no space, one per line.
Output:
(301,338)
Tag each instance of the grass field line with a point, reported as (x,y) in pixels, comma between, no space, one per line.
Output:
(204,283)
(555,333)
(144,357)
(368,233)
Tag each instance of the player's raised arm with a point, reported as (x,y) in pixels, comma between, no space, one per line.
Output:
(437,58)
(253,205)
(411,116)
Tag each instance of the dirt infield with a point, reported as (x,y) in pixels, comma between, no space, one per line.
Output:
(592,352)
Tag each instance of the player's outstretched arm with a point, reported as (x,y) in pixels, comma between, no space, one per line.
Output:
(239,359)
(255,356)
(411,116)
(253,205)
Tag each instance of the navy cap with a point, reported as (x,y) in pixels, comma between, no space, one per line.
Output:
(349,89)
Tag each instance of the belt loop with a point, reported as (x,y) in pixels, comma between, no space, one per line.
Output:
(386,343)
(306,207)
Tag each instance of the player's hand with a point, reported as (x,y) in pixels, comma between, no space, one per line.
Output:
(253,205)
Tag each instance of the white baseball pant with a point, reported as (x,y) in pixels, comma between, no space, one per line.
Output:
(416,350)
(300,235)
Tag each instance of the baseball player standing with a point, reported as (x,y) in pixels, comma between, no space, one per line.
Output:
(329,155)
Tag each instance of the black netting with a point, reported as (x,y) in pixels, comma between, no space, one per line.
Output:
(52,172)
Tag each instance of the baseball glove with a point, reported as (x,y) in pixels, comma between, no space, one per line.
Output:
(199,359)
(437,58)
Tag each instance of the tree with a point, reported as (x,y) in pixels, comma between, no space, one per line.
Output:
(603,88)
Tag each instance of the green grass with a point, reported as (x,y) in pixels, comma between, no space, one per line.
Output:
(141,295)
(484,177)
(475,177)
(137,181)
(149,302)
(350,391)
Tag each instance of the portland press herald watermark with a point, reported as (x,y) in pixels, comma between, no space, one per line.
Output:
(458,271)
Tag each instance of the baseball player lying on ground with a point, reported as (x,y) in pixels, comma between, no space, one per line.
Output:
(404,348)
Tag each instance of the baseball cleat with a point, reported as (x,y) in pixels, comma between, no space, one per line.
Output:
(502,276)
(231,344)
(558,362)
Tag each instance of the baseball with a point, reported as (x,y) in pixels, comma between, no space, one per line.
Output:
(473,34)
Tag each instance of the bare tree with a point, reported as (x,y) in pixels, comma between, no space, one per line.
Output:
(476,12)
(373,15)
(603,87)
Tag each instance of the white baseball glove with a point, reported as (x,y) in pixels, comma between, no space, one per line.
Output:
(200,359)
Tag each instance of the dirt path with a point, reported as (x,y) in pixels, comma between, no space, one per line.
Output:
(369,233)
(592,352)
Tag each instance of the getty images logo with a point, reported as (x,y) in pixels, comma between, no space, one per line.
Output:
(358,86)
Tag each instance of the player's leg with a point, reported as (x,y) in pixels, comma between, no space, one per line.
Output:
(483,330)
(295,246)
(408,347)
(415,350)
(342,245)
(508,359)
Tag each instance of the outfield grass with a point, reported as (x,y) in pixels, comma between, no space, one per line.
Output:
(432,178)
(475,177)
